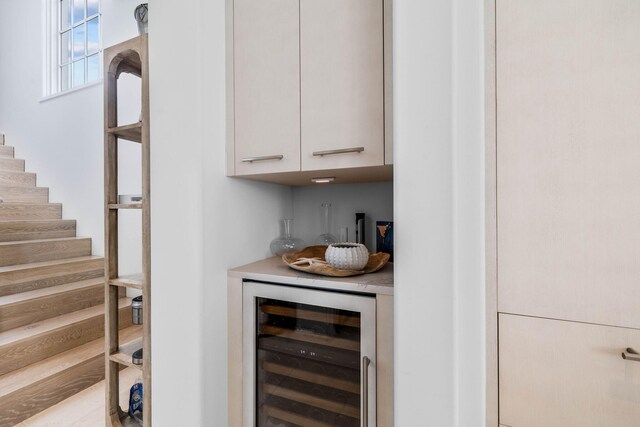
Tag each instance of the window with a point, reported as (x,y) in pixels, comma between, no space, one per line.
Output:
(74,47)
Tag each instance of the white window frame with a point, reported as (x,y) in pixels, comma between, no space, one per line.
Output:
(51,82)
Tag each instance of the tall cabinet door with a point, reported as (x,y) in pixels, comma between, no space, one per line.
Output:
(266,86)
(342,85)
(568,159)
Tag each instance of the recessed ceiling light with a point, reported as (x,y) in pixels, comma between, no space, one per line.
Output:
(323,180)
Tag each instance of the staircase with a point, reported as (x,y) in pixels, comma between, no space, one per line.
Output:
(51,300)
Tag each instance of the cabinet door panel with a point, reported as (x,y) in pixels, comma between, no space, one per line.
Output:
(565,374)
(342,85)
(267,85)
(568,156)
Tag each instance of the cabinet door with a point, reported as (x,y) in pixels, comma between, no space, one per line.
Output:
(266,86)
(565,374)
(342,83)
(568,156)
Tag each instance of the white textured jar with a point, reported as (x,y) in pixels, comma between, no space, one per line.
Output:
(347,256)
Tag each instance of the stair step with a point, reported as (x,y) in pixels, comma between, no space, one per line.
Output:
(12,231)
(11,164)
(6,151)
(29,251)
(21,211)
(34,388)
(17,179)
(35,306)
(29,344)
(28,277)
(13,194)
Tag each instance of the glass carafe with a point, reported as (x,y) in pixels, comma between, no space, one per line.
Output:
(326,238)
(286,242)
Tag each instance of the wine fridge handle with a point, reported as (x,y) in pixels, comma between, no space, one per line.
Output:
(365,390)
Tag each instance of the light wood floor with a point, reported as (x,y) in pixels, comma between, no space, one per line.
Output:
(85,409)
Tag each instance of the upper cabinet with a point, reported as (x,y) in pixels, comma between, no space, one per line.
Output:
(267,86)
(342,83)
(309,90)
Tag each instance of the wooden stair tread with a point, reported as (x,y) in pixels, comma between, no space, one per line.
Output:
(13,210)
(30,374)
(17,178)
(61,239)
(55,262)
(17,194)
(21,230)
(27,251)
(6,151)
(45,292)
(20,278)
(11,164)
(29,331)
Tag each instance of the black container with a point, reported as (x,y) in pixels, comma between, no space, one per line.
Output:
(360,228)
(136,310)
(136,357)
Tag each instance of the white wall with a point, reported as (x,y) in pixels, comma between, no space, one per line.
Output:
(61,139)
(438,157)
(203,223)
(376,200)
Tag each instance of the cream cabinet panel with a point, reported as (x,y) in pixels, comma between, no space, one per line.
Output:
(564,374)
(342,83)
(266,86)
(568,171)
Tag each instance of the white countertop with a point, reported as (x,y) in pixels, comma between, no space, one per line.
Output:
(274,270)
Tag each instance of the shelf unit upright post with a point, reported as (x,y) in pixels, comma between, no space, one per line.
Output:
(128,57)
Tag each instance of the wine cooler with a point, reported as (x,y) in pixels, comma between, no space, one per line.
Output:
(309,359)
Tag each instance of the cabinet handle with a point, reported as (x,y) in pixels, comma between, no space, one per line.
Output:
(631,355)
(341,151)
(261,158)
(364,373)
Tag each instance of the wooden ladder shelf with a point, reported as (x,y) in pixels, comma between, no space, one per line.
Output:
(127,57)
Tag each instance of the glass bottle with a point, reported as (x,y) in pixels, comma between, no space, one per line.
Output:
(326,238)
(286,242)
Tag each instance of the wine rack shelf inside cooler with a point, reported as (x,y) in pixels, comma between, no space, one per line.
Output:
(308,365)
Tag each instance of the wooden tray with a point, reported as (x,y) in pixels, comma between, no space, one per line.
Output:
(376,262)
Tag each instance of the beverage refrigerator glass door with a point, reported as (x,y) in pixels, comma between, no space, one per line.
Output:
(309,357)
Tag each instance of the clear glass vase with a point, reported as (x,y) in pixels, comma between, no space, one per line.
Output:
(286,242)
(326,238)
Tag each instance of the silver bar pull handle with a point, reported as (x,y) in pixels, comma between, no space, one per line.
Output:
(631,355)
(261,158)
(340,151)
(364,373)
